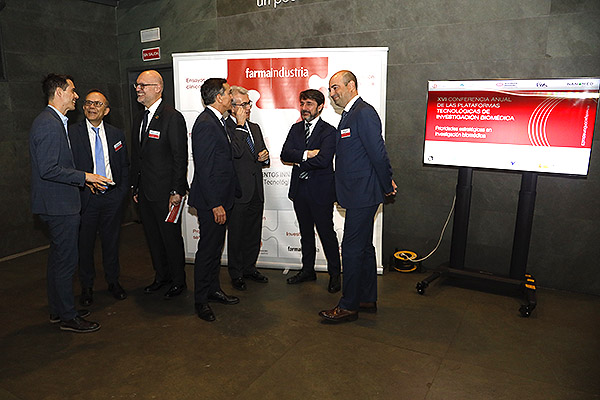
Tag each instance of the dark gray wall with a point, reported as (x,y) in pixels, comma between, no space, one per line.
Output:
(428,40)
(39,37)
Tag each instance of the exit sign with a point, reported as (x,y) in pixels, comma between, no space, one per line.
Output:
(151,54)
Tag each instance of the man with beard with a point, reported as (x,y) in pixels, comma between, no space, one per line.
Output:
(310,146)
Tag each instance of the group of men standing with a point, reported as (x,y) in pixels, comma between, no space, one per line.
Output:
(81,174)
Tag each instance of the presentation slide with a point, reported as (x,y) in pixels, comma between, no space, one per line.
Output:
(544,125)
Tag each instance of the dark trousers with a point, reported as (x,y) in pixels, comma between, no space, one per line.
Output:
(310,214)
(62,263)
(164,240)
(208,256)
(102,215)
(244,235)
(358,258)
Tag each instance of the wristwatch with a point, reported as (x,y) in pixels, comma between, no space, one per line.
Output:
(173,192)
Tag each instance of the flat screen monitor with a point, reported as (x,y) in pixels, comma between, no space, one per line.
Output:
(541,125)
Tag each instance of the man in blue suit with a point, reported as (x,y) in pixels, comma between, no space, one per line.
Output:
(310,146)
(363,177)
(212,193)
(100,147)
(55,198)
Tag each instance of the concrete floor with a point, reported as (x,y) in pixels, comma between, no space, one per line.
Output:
(452,343)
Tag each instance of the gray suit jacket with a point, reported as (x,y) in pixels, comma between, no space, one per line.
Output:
(54,180)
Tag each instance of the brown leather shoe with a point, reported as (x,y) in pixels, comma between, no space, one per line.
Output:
(370,307)
(339,314)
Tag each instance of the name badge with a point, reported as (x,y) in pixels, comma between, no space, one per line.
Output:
(344,133)
(154,134)
(118,146)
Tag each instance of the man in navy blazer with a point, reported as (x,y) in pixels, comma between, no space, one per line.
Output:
(212,193)
(99,147)
(55,198)
(159,158)
(250,155)
(310,146)
(363,177)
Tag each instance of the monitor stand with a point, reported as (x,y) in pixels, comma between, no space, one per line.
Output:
(518,278)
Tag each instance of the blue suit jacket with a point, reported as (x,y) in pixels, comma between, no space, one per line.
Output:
(214,183)
(54,180)
(363,174)
(117,154)
(321,183)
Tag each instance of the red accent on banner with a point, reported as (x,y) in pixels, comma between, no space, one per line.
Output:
(278,80)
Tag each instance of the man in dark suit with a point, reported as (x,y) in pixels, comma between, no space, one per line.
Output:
(55,198)
(363,177)
(99,147)
(212,193)
(310,146)
(250,155)
(159,157)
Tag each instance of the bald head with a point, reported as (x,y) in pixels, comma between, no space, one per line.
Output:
(149,87)
(343,87)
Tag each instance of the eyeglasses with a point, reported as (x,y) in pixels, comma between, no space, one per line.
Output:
(244,105)
(96,104)
(143,85)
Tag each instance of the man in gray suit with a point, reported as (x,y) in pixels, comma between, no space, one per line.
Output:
(55,198)
(250,155)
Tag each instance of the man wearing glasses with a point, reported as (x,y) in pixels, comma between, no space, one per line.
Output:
(100,148)
(245,223)
(159,157)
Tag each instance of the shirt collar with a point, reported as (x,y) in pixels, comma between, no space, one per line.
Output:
(217,112)
(90,126)
(63,117)
(154,106)
(351,103)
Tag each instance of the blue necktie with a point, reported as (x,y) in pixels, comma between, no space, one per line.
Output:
(304,174)
(99,154)
(344,113)
(249,141)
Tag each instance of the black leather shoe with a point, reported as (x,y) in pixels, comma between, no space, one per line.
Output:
(205,312)
(334,284)
(257,277)
(339,314)
(302,276)
(117,291)
(54,318)
(175,291)
(79,325)
(370,307)
(87,296)
(238,283)
(221,297)
(156,285)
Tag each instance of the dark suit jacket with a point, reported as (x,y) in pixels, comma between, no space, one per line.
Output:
(54,179)
(247,167)
(363,173)
(214,182)
(160,165)
(320,168)
(117,154)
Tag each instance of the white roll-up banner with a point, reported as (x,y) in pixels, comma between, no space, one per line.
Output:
(274,79)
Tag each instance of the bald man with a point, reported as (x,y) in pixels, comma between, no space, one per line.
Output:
(159,156)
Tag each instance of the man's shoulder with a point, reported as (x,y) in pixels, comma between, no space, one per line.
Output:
(324,125)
